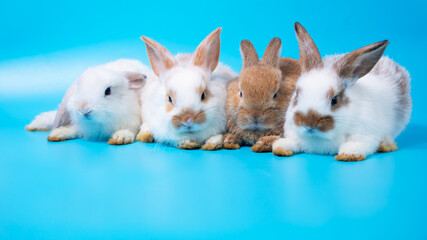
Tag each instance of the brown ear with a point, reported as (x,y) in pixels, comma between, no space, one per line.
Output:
(272,53)
(358,63)
(136,80)
(309,54)
(248,53)
(206,55)
(160,58)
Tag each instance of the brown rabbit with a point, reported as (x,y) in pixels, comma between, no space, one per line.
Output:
(258,99)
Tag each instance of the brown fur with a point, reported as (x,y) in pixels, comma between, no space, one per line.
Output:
(189,146)
(36,129)
(342,99)
(264,144)
(144,137)
(259,81)
(248,53)
(178,119)
(360,62)
(113,141)
(314,119)
(202,90)
(231,141)
(349,158)
(309,54)
(55,139)
(272,53)
(282,152)
(169,105)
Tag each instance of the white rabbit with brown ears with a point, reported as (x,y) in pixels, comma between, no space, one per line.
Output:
(352,105)
(103,104)
(185,106)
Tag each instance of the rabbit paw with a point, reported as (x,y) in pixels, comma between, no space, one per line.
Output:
(210,146)
(213,143)
(145,137)
(188,145)
(231,142)
(264,144)
(282,152)
(383,148)
(30,128)
(122,137)
(349,157)
(61,134)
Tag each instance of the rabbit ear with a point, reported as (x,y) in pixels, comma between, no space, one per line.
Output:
(136,80)
(248,52)
(309,54)
(161,59)
(206,55)
(358,63)
(272,53)
(62,117)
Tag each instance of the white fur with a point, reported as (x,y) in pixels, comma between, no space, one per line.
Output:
(216,140)
(116,114)
(185,79)
(43,121)
(369,118)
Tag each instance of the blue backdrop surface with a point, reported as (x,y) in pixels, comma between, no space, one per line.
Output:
(80,189)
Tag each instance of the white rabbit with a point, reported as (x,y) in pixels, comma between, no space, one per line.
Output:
(353,104)
(185,106)
(102,104)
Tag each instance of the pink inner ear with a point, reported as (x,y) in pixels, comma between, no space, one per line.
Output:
(160,58)
(207,53)
(136,80)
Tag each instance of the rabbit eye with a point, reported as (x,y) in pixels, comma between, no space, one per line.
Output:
(203,96)
(107,91)
(240,94)
(275,95)
(334,101)
(170,99)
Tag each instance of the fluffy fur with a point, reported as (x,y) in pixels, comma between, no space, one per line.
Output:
(344,104)
(87,111)
(185,106)
(257,100)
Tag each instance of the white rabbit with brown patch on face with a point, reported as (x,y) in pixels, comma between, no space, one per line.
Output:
(185,106)
(102,104)
(352,105)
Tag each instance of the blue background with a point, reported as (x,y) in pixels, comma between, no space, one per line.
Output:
(81,189)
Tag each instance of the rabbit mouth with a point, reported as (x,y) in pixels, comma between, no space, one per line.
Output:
(255,127)
(189,129)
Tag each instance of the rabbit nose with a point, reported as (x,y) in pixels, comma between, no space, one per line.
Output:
(187,123)
(310,129)
(85,112)
(256,119)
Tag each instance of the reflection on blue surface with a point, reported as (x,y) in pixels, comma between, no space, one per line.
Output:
(80,189)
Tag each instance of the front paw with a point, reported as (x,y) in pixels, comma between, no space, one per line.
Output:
(349,157)
(231,142)
(60,134)
(188,145)
(282,152)
(383,148)
(145,137)
(55,139)
(211,146)
(264,144)
(122,137)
